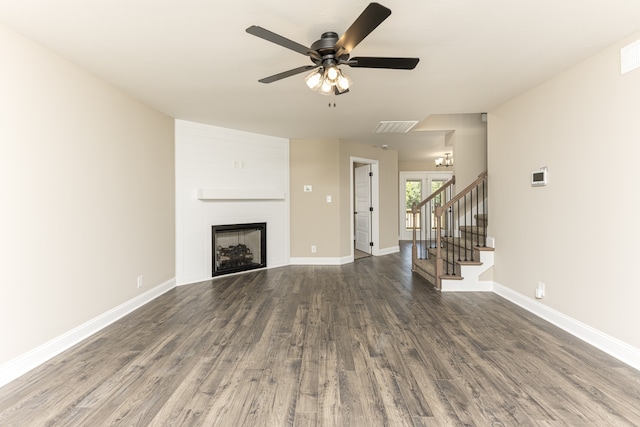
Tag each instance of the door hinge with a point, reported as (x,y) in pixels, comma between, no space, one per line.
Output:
(370,243)
(371,209)
(370,173)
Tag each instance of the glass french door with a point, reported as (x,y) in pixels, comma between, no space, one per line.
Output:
(415,187)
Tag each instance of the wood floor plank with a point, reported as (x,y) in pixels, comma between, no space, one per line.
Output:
(329,386)
(361,344)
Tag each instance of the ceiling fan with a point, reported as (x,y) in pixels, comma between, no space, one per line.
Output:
(331,51)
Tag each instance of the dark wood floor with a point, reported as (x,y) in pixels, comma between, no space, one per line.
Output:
(365,344)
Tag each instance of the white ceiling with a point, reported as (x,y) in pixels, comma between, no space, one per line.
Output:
(193,60)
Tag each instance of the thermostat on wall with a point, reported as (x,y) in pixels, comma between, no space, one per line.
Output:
(539,177)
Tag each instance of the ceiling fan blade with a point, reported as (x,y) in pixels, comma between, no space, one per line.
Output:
(376,62)
(278,39)
(285,74)
(372,16)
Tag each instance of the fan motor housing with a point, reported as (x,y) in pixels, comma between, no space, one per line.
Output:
(326,43)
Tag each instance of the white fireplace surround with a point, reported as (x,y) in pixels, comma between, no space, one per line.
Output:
(226,176)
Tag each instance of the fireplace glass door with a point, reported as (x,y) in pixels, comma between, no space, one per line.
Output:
(238,247)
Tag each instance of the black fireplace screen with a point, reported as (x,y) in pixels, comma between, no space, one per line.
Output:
(238,247)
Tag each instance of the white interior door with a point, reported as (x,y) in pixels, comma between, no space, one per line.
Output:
(362,212)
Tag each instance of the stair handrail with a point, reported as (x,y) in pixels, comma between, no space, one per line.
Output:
(462,193)
(439,212)
(415,209)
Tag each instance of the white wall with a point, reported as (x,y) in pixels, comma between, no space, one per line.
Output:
(580,234)
(86,196)
(209,157)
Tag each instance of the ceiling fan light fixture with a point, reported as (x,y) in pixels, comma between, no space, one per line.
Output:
(314,79)
(343,83)
(326,88)
(332,73)
(332,50)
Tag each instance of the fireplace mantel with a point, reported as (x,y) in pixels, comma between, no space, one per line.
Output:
(239,194)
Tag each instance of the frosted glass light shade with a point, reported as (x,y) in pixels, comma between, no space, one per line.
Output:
(332,73)
(314,79)
(326,88)
(344,83)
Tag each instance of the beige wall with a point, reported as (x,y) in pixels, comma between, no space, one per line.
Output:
(325,164)
(313,220)
(87,196)
(419,167)
(469,148)
(573,234)
(466,139)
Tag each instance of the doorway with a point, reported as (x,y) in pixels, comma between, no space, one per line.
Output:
(363,210)
(364,204)
(415,187)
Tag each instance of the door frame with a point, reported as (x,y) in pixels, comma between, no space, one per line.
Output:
(426,177)
(360,210)
(375,203)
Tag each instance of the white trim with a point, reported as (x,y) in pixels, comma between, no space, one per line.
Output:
(39,355)
(466,285)
(375,203)
(610,345)
(387,251)
(239,194)
(471,276)
(321,260)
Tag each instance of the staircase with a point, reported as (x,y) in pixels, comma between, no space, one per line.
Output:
(453,254)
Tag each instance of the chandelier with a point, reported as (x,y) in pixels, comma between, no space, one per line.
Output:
(328,79)
(445,161)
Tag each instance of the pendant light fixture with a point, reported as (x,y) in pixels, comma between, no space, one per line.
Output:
(445,161)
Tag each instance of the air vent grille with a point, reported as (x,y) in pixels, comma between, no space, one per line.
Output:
(395,126)
(630,57)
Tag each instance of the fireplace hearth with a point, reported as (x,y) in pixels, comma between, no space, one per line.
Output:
(238,247)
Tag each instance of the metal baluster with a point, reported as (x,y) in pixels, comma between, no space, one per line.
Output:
(484,212)
(465,225)
(469,247)
(427,227)
(421,256)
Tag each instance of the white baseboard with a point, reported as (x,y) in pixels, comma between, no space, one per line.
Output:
(39,355)
(320,260)
(387,251)
(610,345)
(466,285)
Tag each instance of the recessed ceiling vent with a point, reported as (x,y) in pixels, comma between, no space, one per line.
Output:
(395,126)
(630,57)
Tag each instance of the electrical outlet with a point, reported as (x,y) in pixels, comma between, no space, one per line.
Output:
(540,290)
(313,249)
(140,281)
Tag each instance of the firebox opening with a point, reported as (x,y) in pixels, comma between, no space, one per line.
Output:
(238,247)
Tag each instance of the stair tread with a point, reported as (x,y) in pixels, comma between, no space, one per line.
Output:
(455,250)
(453,254)
(469,262)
